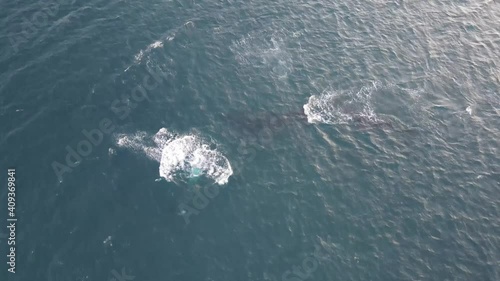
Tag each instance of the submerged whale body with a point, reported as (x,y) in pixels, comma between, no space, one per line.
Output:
(250,125)
(255,123)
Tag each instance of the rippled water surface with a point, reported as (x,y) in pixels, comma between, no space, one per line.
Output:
(236,140)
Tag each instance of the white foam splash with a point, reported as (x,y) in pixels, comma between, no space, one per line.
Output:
(178,155)
(188,152)
(157,44)
(333,107)
(469,110)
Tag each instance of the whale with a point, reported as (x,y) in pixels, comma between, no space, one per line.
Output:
(251,124)
(256,122)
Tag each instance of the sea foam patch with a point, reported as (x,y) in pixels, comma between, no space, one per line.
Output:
(181,157)
(334,107)
(155,45)
(264,50)
(147,54)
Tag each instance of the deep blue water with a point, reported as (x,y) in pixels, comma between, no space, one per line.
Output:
(235,140)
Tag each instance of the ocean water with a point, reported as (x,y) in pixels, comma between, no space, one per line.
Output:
(236,140)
